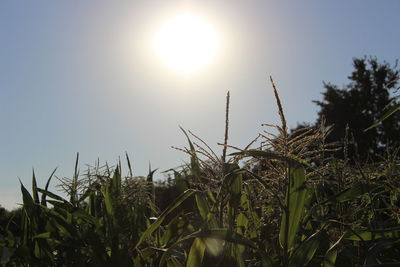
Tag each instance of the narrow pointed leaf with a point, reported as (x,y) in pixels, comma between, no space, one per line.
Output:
(162,216)
(202,206)
(373,235)
(331,254)
(43,199)
(196,253)
(116,182)
(129,164)
(26,197)
(52,195)
(34,188)
(358,189)
(108,201)
(305,252)
(385,116)
(294,207)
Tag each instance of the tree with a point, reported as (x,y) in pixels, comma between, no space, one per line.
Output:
(3,214)
(360,104)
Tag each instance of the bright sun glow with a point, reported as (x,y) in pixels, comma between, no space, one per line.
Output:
(186,43)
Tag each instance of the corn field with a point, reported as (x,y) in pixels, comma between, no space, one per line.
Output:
(283,200)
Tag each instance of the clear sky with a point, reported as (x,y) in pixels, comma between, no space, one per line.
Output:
(82,76)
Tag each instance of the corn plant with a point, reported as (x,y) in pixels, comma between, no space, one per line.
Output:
(280,201)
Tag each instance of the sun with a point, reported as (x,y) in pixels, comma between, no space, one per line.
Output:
(186,43)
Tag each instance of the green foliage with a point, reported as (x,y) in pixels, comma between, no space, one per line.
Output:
(359,105)
(283,203)
(389,113)
(294,207)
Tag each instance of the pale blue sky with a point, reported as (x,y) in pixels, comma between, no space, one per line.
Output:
(78,76)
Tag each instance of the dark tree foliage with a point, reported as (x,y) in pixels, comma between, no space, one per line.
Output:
(10,220)
(3,213)
(358,105)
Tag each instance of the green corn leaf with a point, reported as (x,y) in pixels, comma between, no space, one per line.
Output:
(233,182)
(84,216)
(129,164)
(108,200)
(330,258)
(211,196)
(196,253)
(294,207)
(149,252)
(43,235)
(162,216)
(384,117)
(168,252)
(225,234)
(175,228)
(194,162)
(89,192)
(25,224)
(204,210)
(331,254)
(62,225)
(43,199)
(37,250)
(173,262)
(305,252)
(291,159)
(61,205)
(357,190)
(152,189)
(73,192)
(235,238)
(92,203)
(234,179)
(202,206)
(116,181)
(373,235)
(242,223)
(187,136)
(52,195)
(214,246)
(233,255)
(34,188)
(218,234)
(27,198)
(150,175)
